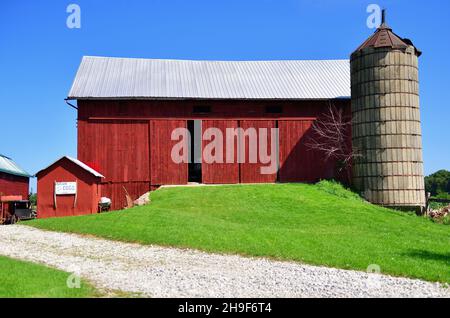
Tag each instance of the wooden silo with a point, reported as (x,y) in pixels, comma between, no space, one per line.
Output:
(386,121)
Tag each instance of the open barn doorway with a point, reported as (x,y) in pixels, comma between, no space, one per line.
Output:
(195,151)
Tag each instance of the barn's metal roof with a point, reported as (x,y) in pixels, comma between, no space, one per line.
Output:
(78,163)
(127,78)
(10,167)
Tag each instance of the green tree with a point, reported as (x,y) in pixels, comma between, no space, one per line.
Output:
(33,199)
(438,183)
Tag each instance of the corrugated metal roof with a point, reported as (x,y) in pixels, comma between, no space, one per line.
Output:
(10,167)
(78,163)
(114,78)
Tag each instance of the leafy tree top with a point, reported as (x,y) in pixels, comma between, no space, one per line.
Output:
(438,182)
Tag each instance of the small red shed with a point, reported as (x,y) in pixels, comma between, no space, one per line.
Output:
(68,187)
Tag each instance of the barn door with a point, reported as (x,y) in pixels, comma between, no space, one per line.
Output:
(251,171)
(164,170)
(117,149)
(220,171)
(297,162)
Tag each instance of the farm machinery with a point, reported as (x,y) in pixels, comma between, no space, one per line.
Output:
(14,209)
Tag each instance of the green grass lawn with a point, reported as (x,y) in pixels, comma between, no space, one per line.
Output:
(27,280)
(317,224)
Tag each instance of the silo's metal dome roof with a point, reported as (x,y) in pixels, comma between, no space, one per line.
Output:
(384,37)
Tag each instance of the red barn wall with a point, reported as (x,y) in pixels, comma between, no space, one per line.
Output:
(297,162)
(163,169)
(129,141)
(88,191)
(14,185)
(221,173)
(251,172)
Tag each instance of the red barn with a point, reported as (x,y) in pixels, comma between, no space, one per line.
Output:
(14,181)
(137,117)
(68,187)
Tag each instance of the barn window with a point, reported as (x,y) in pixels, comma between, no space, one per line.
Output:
(274,110)
(202,109)
(122,109)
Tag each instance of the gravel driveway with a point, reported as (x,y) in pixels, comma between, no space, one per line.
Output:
(154,271)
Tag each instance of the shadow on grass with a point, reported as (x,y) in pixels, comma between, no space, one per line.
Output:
(430,256)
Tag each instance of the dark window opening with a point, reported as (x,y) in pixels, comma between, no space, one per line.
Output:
(274,110)
(122,109)
(277,126)
(201,109)
(195,154)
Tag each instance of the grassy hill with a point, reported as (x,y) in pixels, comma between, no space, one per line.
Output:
(20,279)
(321,224)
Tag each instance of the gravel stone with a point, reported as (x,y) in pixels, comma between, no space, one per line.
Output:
(153,271)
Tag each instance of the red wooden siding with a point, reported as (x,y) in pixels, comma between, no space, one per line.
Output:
(221,173)
(182,109)
(251,172)
(163,169)
(88,191)
(297,162)
(117,149)
(14,185)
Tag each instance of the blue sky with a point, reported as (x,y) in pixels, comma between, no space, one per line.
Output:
(39,54)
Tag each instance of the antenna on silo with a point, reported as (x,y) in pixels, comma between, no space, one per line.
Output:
(383,20)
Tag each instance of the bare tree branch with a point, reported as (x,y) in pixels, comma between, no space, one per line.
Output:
(330,137)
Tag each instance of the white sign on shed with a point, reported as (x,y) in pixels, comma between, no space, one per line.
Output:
(65,188)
